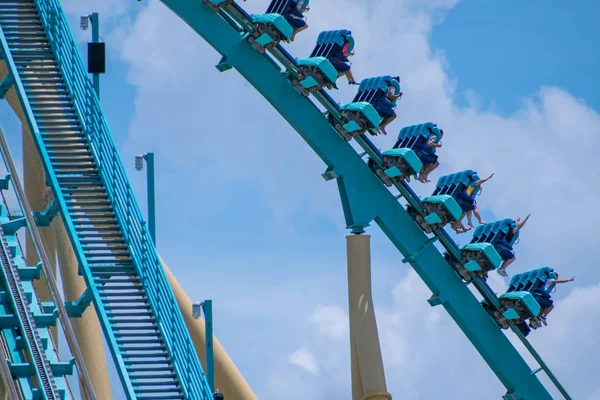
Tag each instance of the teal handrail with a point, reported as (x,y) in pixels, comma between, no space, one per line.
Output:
(143,252)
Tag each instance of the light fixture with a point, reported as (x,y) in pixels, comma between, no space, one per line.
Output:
(139,162)
(84,21)
(196,310)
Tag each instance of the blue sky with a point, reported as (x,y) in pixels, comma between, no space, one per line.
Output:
(506,50)
(260,232)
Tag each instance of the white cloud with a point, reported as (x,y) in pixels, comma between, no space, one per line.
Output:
(304,359)
(419,342)
(105,8)
(331,322)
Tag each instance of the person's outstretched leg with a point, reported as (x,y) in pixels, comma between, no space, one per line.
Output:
(477,215)
(547,310)
(504,265)
(297,31)
(386,122)
(350,77)
(470,219)
(424,177)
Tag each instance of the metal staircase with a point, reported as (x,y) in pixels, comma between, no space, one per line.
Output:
(151,347)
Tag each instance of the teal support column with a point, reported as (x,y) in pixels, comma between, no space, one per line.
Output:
(95,39)
(151,204)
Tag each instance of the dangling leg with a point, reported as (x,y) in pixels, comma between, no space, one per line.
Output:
(477,215)
(546,311)
(386,122)
(422,172)
(470,217)
(297,31)
(455,226)
(350,77)
(504,265)
(424,176)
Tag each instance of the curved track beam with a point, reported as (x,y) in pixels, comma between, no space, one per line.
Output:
(355,180)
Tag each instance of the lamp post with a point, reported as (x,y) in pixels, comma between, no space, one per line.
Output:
(197,309)
(139,165)
(96,50)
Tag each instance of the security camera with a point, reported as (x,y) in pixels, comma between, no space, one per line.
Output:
(139,162)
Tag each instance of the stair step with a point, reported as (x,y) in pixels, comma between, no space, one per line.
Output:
(155,390)
(153,376)
(150,369)
(123,307)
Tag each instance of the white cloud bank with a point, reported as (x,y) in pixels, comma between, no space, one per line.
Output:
(304,359)
(218,130)
(426,356)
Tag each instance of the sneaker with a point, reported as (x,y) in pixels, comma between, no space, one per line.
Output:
(502,272)
(543,319)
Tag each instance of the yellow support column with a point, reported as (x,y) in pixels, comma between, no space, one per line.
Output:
(87,328)
(368,377)
(37,196)
(228,378)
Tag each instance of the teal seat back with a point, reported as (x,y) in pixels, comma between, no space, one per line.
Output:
(330,42)
(494,231)
(372,90)
(453,183)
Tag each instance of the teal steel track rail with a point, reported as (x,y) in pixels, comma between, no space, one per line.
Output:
(364,198)
(175,339)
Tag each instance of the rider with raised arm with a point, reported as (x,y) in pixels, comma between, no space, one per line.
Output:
(466,201)
(504,248)
(542,296)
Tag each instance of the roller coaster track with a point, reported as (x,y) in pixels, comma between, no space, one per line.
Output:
(10,274)
(364,197)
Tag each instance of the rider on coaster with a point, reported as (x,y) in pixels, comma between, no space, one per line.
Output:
(466,201)
(426,153)
(295,17)
(385,107)
(504,248)
(542,296)
(340,62)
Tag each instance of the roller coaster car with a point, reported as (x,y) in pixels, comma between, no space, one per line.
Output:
(494,232)
(518,305)
(272,27)
(401,161)
(441,207)
(360,115)
(477,259)
(317,72)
